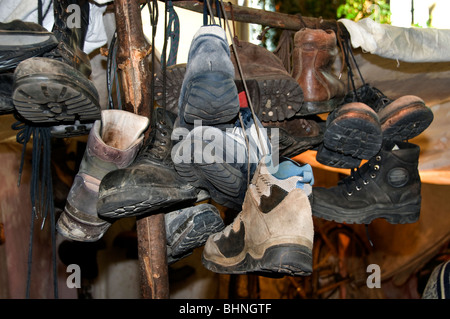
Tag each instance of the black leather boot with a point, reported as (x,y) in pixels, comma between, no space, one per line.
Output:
(151,182)
(387,186)
(55,89)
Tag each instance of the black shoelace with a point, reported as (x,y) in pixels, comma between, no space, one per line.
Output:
(41,188)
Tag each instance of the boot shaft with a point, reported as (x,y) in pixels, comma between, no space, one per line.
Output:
(313,56)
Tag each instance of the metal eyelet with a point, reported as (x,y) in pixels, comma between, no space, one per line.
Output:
(373,175)
(349,193)
(365,182)
(358,188)
(376,167)
(378,158)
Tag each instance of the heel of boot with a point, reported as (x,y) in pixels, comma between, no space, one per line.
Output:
(289,259)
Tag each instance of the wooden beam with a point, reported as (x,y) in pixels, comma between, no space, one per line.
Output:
(135,77)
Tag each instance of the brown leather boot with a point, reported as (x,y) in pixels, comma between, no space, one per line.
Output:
(274,93)
(314,52)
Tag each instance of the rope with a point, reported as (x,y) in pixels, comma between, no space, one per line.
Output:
(41,188)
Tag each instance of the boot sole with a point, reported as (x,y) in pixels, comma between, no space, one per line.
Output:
(211,98)
(174,80)
(284,259)
(276,99)
(334,159)
(406,123)
(320,107)
(195,232)
(138,200)
(356,135)
(405,213)
(78,229)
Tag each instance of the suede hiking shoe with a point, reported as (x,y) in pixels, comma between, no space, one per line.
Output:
(21,40)
(273,234)
(401,119)
(189,228)
(208,92)
(150,183)
(221,162)
(387,186)
(275,94)
(352,133)
(113,143)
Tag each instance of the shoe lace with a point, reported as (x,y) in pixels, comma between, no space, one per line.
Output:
(41,187)
(361,176)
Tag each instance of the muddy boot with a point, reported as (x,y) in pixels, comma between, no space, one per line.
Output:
(208,92)
(352,133)
(22,40)
(273,234)
(401,119)
(112,144)
(274,93)
(295,135)
(387,186)
(151,182)
(314,53)
(55,89)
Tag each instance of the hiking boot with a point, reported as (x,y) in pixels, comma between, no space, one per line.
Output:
(295,135)
(151,182)
(6,88)
(275,94)
(208,92)
(401,119)
(352,133)
(174,80)
(22,40)
(387,186)
(273,234)
(55,88)
(113,143)
(189,228)
(221,162)
(314,53)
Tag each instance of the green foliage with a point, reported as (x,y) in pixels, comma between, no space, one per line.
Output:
(355,10)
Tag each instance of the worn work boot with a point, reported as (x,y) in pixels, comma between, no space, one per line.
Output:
(113,143)
(189,228)
(222,162)
(273,234)
(352,133)
(151,182)
(314,53)
(55,89)
(387,186)
(401,119)
(295,135)
(208,92)
(21,40)
(275,94)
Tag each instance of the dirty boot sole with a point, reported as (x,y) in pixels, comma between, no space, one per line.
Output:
(193,233)
(282,259)
(401,122)
(273,99)
(358,136)
(122,201)
(403,213)
(50,91)
(211,98)
(335,159)
(174,80)
(85,229)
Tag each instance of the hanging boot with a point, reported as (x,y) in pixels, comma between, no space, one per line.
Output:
(387,186)
(55,89)
(208,92)
(314,53)
(273,234)
(112,144)
(22,40)
(401,119)
(352,133)
(275,94)
(151,182)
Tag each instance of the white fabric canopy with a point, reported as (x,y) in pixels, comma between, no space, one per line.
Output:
(403,44)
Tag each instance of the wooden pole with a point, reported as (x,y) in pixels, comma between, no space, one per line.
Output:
(135,77)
